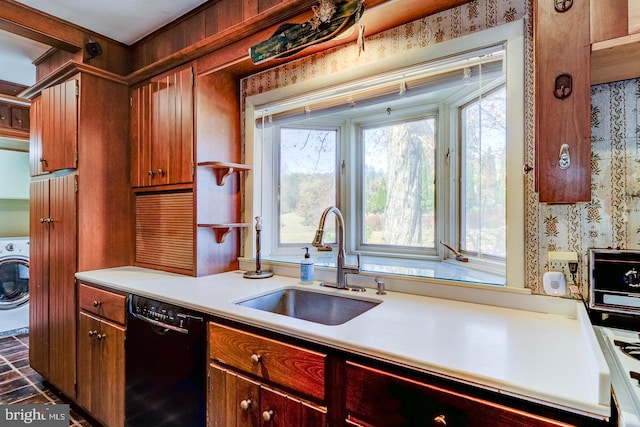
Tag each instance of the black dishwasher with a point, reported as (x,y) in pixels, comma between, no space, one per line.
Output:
(165,365)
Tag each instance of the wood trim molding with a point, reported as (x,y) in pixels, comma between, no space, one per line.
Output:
(67,70)
(31,23)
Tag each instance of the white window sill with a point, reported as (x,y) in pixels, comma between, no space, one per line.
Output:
(448,270)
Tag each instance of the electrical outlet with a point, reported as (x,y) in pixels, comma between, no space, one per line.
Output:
(559,261)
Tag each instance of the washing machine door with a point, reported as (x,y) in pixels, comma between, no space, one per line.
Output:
(14,282)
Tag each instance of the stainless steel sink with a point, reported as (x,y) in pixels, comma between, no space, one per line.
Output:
(312,306)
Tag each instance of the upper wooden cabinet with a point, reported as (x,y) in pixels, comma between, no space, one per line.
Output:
(14,120)
(59,127)
(615,38)
(162,134)
(562,102)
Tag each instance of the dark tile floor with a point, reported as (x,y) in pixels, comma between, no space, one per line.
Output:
(20,384)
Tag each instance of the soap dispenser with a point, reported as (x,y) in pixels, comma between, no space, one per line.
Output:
(306,268)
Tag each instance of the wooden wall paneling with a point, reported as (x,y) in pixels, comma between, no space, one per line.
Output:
(39,277)
(267,4)
(165,231)
(62,261)
(104,183)
(609,19)
(54,59)
(229,13)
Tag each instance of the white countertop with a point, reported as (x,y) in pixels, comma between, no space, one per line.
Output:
(548,358)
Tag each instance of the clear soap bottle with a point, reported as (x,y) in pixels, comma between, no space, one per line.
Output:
(306,268)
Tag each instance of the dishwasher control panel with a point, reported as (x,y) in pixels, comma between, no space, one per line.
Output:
(161,313)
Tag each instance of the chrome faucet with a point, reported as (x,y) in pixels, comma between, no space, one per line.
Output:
(342,269)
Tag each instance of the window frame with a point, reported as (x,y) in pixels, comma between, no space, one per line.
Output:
(511,34)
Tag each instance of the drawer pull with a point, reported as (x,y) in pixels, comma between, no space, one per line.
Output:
(92,333)
(255,359)
(245,405)
(267,415)
(97,303)
(440,420)
(101,336)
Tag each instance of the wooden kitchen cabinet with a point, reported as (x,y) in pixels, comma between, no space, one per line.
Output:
(378,398)
(256,381)
(14,120)
(235,400)
(101,335)
(562,102)
(52,312)
(59,121)
(81,218)
(615,38)
(162,130)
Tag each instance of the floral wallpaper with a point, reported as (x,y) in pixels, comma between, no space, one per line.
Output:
(612,218)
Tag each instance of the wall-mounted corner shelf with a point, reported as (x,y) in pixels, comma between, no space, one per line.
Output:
(222,230)
(223,169)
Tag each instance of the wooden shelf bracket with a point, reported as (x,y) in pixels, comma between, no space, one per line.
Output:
(222,230)
(222,170)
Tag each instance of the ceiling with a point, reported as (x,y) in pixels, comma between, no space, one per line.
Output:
(126,21)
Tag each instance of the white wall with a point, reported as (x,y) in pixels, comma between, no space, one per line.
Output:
(14,193)
(14,175)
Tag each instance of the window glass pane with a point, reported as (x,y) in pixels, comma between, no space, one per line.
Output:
(399,184)
(483,198)
(307,177)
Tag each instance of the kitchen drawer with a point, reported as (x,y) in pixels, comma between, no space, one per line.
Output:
(5,115)
(378,398)
(276,362)
(102,303)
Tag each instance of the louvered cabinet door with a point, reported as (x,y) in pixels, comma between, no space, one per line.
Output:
(165,231)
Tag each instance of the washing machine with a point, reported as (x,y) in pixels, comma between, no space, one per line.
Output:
(14,285)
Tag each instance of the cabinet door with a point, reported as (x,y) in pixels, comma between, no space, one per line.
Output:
(278,409)
(60,126)
(101,369)
(172,127)
(232,400)
(20,118)
(62,269)
(35,137)
(39,277)
(5,115)
(562,52)
(88,363)
(111,347)
(378,398)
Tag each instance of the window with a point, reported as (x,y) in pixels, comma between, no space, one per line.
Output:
(398,185)
(483,150)
(413,157)
(307,182)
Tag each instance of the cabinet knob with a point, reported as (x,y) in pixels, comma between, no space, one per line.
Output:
(245,405)
(101,336)
(162,172)
(91,333)
(151,173)
(97,303)
(440,420)
(267,415)
(43,160)
(256,358)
